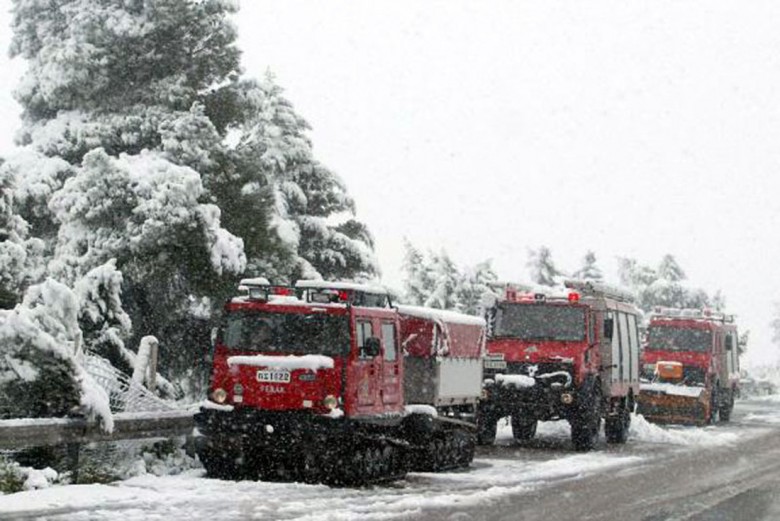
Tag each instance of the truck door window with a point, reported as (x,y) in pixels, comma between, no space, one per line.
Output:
(388,338)
(364,330)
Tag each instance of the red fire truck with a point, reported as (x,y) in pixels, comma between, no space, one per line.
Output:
(308,383)
(574,357)
(690,367)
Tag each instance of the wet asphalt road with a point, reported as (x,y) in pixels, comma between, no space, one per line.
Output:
(737,482)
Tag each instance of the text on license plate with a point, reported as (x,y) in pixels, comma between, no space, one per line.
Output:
(274,376)
(495,364)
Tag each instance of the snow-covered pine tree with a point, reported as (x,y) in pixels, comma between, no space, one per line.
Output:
(475,284)
(446,281)
(589,270)
(663,287)
(418,281)
(670,270)
(541,266)
(634,275)
(313,213)
(149,95)
(40,370)
(21,256)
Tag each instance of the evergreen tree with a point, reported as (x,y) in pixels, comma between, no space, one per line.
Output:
(670,270)
(634,275)
(718,301)
(145,145)
(474,286)
(541,266)
(435,281)
(418,283)
(446,281)
(589,270)
(663,287)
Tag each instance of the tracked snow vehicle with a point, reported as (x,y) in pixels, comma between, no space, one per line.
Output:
(308,383)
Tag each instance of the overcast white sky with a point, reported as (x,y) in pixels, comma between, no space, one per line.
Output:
(488,127)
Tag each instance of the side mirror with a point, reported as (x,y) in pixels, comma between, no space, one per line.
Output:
(729,343)
(609,327)
(372,347)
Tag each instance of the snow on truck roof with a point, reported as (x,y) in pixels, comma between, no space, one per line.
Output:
(255,281)
(322,284)
(452,317)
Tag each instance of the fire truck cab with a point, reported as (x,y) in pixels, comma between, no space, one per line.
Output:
(690,367)
(572,357)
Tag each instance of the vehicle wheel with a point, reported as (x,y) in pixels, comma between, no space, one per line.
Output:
(727,407)
(616,428)
(714,406)
(487,426)
(464,447)
(522,428)
(587,421)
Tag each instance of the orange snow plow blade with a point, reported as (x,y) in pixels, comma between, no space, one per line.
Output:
(659,403)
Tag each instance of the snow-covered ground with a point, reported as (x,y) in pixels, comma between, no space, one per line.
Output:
(508,469)
(190,496)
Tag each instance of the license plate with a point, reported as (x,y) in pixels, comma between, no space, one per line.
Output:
(282,377)
(495,364)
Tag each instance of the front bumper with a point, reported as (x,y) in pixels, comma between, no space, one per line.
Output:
(258,427)
(665,408)
(541,402)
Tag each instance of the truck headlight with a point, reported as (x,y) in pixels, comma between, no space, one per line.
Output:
(219,395)
(330,402)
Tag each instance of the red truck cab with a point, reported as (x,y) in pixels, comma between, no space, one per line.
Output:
(705,345)
(573,357)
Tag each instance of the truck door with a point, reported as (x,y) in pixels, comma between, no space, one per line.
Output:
(625,348)
(616,361)
(366,368)
(391,367)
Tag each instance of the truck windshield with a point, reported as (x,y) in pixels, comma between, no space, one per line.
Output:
(540,322)
(679,339)
(286,333)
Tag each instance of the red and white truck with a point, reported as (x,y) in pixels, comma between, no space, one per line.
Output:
(574,357)
(690,367)
(328,381)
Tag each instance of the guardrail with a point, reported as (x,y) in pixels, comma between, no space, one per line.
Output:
(37,432)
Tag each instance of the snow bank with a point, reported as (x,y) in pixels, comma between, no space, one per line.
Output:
(291,362)
(770,418)
(642,430)
(37,479)
(673,389)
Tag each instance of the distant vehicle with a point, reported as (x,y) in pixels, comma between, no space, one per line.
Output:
(574,358)
(328,382)
(690,367)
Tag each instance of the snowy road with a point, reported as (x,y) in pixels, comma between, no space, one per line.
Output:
(685,471)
